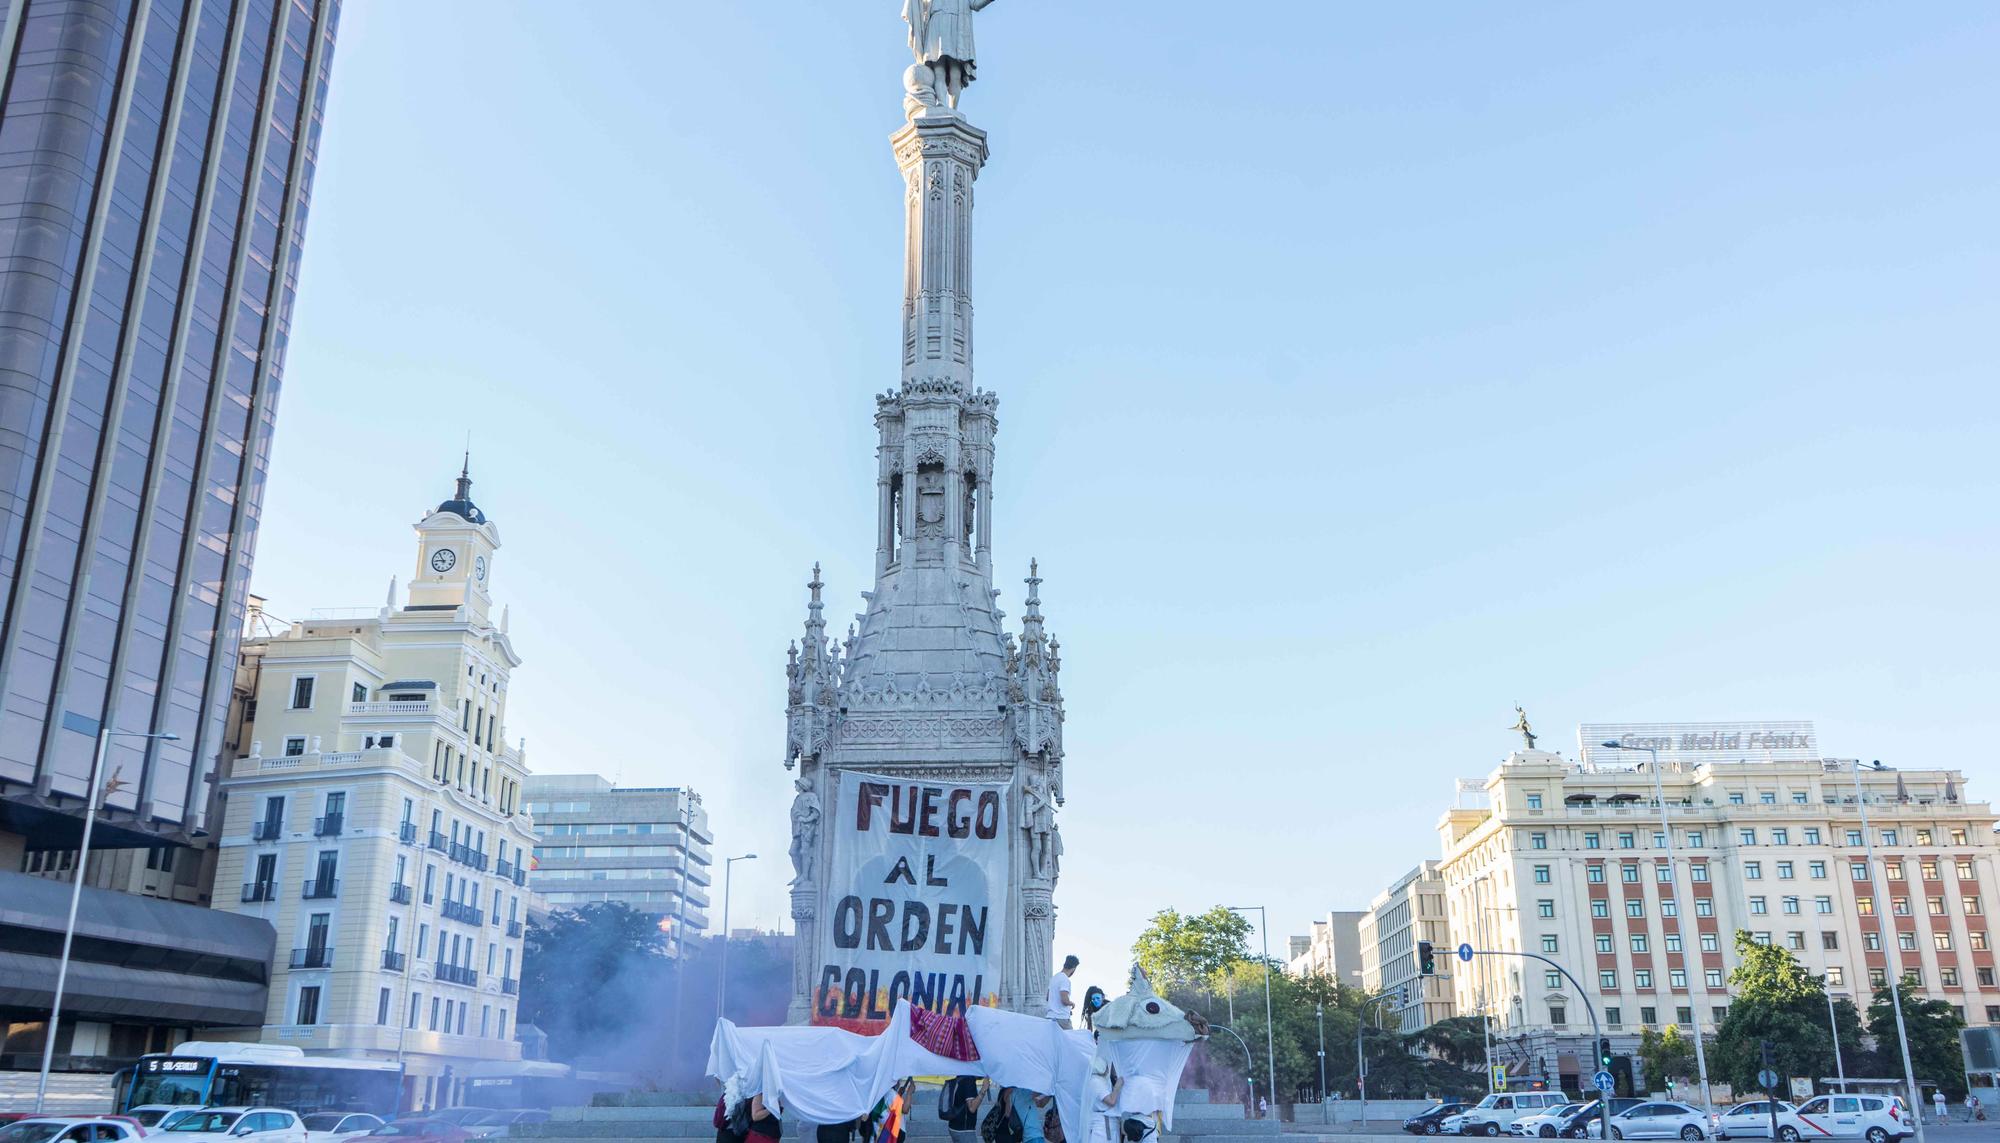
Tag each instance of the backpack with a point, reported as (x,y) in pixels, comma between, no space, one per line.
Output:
(949,1101)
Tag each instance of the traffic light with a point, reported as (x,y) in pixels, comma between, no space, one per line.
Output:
(1604,1053)
(1427,961)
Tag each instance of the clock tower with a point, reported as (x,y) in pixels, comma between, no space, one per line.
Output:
(455,546)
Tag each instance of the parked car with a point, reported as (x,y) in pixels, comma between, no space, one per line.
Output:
(457,1116)
(1426,1122)
(1574,1126)
(70,1129)
(1542,1124)
(1875,1118)
(152,1114)
(1493,1115)
(497,1124)
(1752,1120)
(1655,1120)
(431,1130)
(338,1126)
(226,1124)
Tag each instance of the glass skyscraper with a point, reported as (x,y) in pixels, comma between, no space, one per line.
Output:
(156,158)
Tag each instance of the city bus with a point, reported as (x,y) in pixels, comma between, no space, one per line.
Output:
(203,1073)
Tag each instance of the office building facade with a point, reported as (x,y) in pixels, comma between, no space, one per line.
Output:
(1332,948)
(1569,860)
(1408,911)
(377,822)
(648,847)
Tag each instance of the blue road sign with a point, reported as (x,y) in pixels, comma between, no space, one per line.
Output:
(1465,953)
(1604,1083)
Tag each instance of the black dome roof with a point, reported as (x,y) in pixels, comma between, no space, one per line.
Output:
(461,504)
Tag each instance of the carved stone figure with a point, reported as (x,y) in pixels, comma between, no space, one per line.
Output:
(805,831)
(941,39)
(1038,820)
(1521,725)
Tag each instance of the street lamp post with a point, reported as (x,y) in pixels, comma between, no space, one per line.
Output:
(1695,998)
(105,734)
(1891,970)
(1833,1025)
(722,970)
(1319,1011)
(1270,1040)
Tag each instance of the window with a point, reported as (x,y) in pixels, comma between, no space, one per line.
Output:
(1798,797)
(1984,975)
(1958,836)
(1642,977)
(1888,837)
(1710,942)
(1673,942)
(1900,906)
(308,996)
(1796,939)
(1784,871)
(1614,1016)
(1791,905)
(1698,871)
(1781,837)
(361,695)
(1735,797)
(1670,908)
(435,1002)
(1937,906)
(1663,873)
(1753,870)
(1635,908)
(1659,840)
(1629,874)
(1677,978)
(1549,943)
(1941,941)
(1714,975)
(1746,837)
(1976,940)
(1608,980)
(1639,942)
(1696,839)
(1649,1016)
(1914,976)
(1600,908)
(1823,905)
(1816,870)
(1684,1014)
(1972,906)
(1534,801)
(1872,941)
(382,1001)
(1545,908)
(1627,839)
(1704,907)
(1538,841)
(1829,940)
(430,883)
(1854,837)
(1924,837)
(1928,868)
(1758,906)
(295,746)
(302,699)
(1964,869)
(416,1006)
(485,1017)
(1892,869)
(1836,975)
(1558,1016)
(1812,835)
(1541,875)
(1552,979)
(1877,978)
(1591,840)
(1857,870)
(1604,943)
(423,939)
(1594,874)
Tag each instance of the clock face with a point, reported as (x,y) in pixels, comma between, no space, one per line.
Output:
(479,568)
(443,560)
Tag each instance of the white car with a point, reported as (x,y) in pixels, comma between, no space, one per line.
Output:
(1495,1114)
(1655,1120)
(1752,1120)
(226,1124)
(152,1115)
(1875,1118)
(1544,1124)
(339,1126)
(69,1129)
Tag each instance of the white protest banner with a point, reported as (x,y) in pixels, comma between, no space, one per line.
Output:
(916,899)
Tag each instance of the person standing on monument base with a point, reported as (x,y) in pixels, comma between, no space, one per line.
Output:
(1059,1001)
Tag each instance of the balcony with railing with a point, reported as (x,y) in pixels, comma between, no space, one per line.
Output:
(267,830)
(329,826)
(407,833)
(392,960)
(520,876)
(439,843)
(313,956)
(504,868)
(260,891)
(453,974)
(454,911)
(322,888)
(513,928)
(509,986)
(399,894)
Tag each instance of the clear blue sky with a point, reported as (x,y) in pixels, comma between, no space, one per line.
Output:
(1365,369)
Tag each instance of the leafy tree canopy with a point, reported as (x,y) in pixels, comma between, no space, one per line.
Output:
(1933,1028)
(1188,951)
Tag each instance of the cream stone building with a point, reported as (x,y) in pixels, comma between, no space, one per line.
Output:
(377,821)
(1408,911)
(1568,859)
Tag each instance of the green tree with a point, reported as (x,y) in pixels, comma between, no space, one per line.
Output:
(589,976)
(1459,1040)
(1773,999)
(1933,1028)
(1180,952)
(1667,1056)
